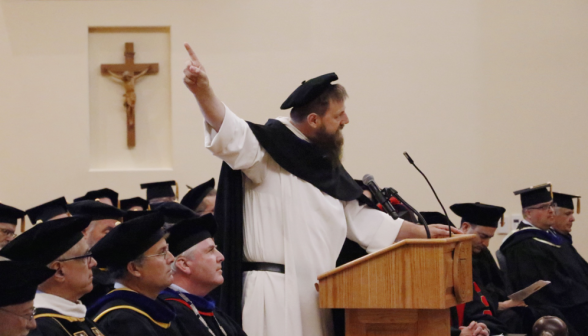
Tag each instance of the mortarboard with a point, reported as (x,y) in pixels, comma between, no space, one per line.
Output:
(127,241)
(190,232)
(94,210)
(45,242)
(46,211)
(173,212)
(566,201)
(19,281)
(128,203)
(10,215)
(129,215)
(479,214)
(160,189)
(195,196)
(434,217)
(535,195)
(309,90)
(95,195)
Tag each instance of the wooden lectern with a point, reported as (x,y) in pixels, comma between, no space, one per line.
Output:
(405,289)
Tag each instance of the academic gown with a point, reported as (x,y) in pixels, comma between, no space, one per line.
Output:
(532,254)
(479,310)
(127,313)
(287,220)
(190,324)
(103,285)
(63,318)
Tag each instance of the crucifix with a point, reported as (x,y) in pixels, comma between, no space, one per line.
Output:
(127,74)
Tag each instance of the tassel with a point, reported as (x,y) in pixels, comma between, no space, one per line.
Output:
(177,191)
(578,210)
(502,220)
(22,225)
(551,190)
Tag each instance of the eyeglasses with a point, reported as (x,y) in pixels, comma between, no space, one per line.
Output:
(7,233)
(544,206)
(28,317)
(162,254)
(87,257)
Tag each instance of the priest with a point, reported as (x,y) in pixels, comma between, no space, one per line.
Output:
(286,204)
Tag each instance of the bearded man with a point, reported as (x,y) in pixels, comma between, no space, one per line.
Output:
(286,204)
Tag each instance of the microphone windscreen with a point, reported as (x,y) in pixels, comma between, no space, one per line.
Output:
(367,178)
(408,158)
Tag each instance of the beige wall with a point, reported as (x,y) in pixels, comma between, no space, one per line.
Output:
(487,96)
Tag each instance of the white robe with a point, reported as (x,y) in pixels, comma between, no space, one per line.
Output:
(289,221)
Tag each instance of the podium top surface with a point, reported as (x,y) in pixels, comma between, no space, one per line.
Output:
(434,241)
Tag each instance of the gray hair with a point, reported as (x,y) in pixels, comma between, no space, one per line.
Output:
(188,254)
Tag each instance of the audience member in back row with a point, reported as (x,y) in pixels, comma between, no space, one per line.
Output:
(137,255)
(201,199)
(9,217)
(535,252)
(197,271)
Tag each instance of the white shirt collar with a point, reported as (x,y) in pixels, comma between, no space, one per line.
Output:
(60,305)
(529,223)
(288,122)
(178,288)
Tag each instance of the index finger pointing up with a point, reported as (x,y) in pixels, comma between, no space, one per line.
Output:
(191,52)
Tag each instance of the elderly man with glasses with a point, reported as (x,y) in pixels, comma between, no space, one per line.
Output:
(137,256)
(62,246)
(8,219)
(535,252)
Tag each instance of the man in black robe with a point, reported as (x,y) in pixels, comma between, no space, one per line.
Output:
(9,217)
(202,198)
(61,245)
(537,253)
(136,254)
(197,271)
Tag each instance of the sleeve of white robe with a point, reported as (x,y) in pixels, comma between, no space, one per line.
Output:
(370,228)
(236,144)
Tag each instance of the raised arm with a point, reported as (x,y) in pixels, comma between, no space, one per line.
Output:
(115,76)
(196,80)
(141,74)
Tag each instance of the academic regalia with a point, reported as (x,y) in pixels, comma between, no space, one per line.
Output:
(19,281)
(102,285)
(96,195)
(160,189)
(479,310)
(46,211)
(190,324)
(281,201)
(197,194)
(64,318)
(532,254)
(173,212)
(127,313)
(129,203)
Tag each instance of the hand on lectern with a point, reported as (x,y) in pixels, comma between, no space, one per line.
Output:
(441,230)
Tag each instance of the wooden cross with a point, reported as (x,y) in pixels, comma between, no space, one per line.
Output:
(127,74)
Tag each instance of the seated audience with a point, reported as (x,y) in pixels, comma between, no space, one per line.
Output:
(202,198)
(197,271)
(134,204)
(51,210)
(106,196)
(9,217)
(159,192)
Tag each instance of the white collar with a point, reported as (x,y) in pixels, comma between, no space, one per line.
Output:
(60,305)
(288,122)
(529,223)
(178,288)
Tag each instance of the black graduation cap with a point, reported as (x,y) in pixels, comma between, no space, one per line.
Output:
(173,212)
(535,195)
(95,195)
(129,215)
(434,217)
(195,196)
(127,241)
(479,214)
(10,215)
(19,281)
(160,189)
(46,211)
(128,203)
(94,210)
(566,201)
(45,242)
(309,90)
(190,232)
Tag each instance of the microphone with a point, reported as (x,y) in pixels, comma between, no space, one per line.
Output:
(393,192)
(369,181)
(411,161)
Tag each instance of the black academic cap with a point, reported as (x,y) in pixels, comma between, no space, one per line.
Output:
(535,195)
(190,232)
(19,281)
(478,213)
(128,203)
(309,90)
(127,241)
(434,217)
(46,211)
(94,210)
(566,201)
(130,215)
(173,212)
(159,189)
(45,242)
(195,196)
(10,215)
(101,193)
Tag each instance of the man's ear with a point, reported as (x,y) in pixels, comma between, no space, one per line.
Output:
(313,120)
(182,265)
(133,269)
(59,273)
(465,226)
